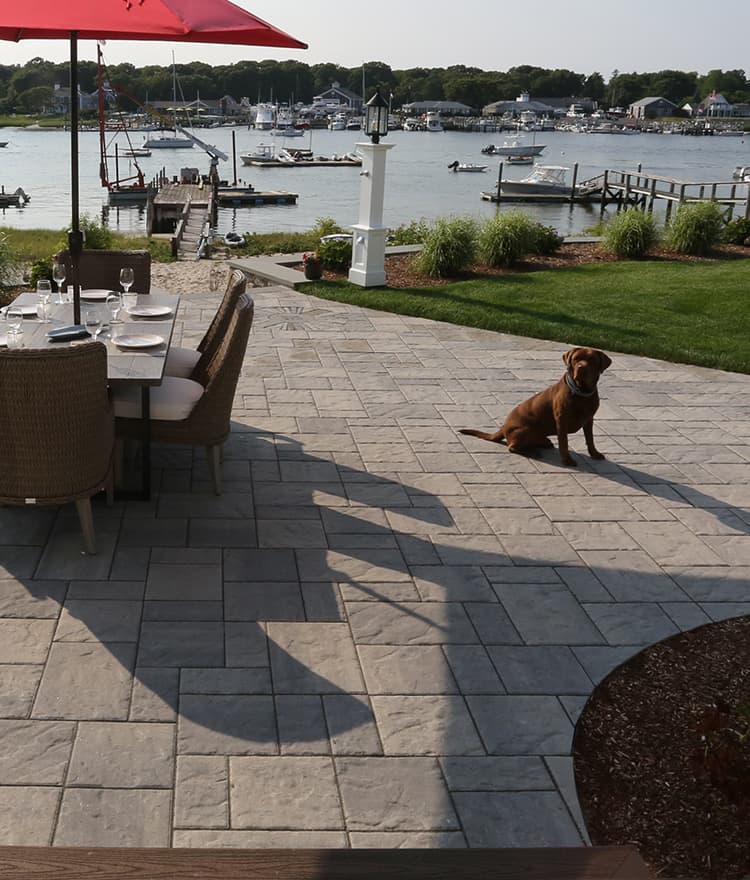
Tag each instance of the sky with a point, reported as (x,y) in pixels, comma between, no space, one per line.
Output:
(584,36)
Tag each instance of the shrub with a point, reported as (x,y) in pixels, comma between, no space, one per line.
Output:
(737,231)
(326,226)
(8,262)
(695,228)
(631,234)
(40,269)
(449,247)
(505,239)
(547,240)
(95,236)
(337,253)
(411,233)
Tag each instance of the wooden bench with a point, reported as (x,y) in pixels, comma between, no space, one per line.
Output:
(571,863)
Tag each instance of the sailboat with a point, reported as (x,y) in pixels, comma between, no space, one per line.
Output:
(120,189)
(166,141)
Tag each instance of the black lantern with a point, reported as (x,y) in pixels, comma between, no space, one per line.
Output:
(376,117)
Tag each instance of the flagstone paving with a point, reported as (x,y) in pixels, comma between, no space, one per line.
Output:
(383,632)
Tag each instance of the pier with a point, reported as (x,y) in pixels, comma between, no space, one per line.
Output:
(635,189)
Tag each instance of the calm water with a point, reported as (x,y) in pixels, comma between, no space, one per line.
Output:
(418,182)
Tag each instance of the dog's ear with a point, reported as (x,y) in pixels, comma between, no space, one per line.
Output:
(568,356)
(604,361)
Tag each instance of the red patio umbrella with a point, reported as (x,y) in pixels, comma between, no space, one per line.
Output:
(185,21)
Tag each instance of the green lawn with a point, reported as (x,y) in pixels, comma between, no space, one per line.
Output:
(694,313)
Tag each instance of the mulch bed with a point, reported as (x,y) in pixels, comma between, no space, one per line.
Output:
(400,272)
(662,754)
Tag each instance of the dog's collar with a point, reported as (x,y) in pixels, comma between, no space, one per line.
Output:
(575,390)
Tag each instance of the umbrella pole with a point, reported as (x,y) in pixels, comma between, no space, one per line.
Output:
(75,238)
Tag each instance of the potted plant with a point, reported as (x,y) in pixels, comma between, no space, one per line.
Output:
(313,265)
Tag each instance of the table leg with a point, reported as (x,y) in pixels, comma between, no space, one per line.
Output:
(146,441)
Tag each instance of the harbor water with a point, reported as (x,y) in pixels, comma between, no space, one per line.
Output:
(419,183)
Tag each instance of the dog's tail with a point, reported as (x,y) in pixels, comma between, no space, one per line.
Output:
(497,437)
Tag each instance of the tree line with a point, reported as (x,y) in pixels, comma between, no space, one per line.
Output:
(27,88)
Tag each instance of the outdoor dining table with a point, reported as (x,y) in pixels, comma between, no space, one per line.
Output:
(143,367)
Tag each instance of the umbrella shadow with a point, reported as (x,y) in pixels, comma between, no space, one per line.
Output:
(221,666)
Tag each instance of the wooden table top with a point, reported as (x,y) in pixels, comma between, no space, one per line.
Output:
(124,366)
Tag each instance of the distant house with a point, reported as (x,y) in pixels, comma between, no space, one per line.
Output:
(229,107)
(59,104)
(444,108)
(652,108)
(338,95)
(715,105)
(540,106)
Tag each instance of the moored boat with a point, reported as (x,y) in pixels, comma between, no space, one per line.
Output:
(466,166)
(514,147)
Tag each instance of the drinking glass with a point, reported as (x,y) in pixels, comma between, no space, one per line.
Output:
(14,314)
(92,321)
(129,301)
(58,274)
(126,278)
(44,292)
(114,306)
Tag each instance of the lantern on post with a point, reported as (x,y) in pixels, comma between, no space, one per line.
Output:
(368,241)
(376,117)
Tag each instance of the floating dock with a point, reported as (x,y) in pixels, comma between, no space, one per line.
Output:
(247,196)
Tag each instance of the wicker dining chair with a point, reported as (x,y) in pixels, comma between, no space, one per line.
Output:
(184,411)
(191,363)
(100,269)
(57,429)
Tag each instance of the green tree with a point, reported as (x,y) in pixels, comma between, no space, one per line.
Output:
(34,100)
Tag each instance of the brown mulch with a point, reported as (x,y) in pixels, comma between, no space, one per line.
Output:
(400,271)
(662,754)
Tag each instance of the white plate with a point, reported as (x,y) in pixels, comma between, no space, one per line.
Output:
(95,294)
(26,311)
(149,311)
(145,340)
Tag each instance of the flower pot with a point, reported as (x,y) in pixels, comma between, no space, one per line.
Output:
(313,271)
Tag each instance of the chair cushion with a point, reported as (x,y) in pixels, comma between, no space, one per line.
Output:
(180,362)
(172,401)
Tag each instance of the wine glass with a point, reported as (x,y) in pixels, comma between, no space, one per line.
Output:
(58,275)
(126,278)
(92,321)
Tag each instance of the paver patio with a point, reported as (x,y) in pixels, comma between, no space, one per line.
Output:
(382,633)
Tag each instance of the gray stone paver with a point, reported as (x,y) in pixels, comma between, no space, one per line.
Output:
(383,632)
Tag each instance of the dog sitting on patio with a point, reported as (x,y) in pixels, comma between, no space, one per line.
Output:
(562,409)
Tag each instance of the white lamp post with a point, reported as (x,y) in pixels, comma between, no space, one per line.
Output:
(368,243)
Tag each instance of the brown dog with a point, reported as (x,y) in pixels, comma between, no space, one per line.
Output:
(561,409)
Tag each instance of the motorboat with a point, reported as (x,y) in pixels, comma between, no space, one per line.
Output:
(742,173)
(514,147)
(466,166)
(286,132)
(135,152)
(338,122)
(520,159)
(264,117)
(413,124)
(432,122)
(264,154)
(354,124)
(543,180)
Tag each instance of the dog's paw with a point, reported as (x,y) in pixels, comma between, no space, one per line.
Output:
(570,462)
(597,455)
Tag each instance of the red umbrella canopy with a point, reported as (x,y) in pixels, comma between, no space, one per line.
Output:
(193,21)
